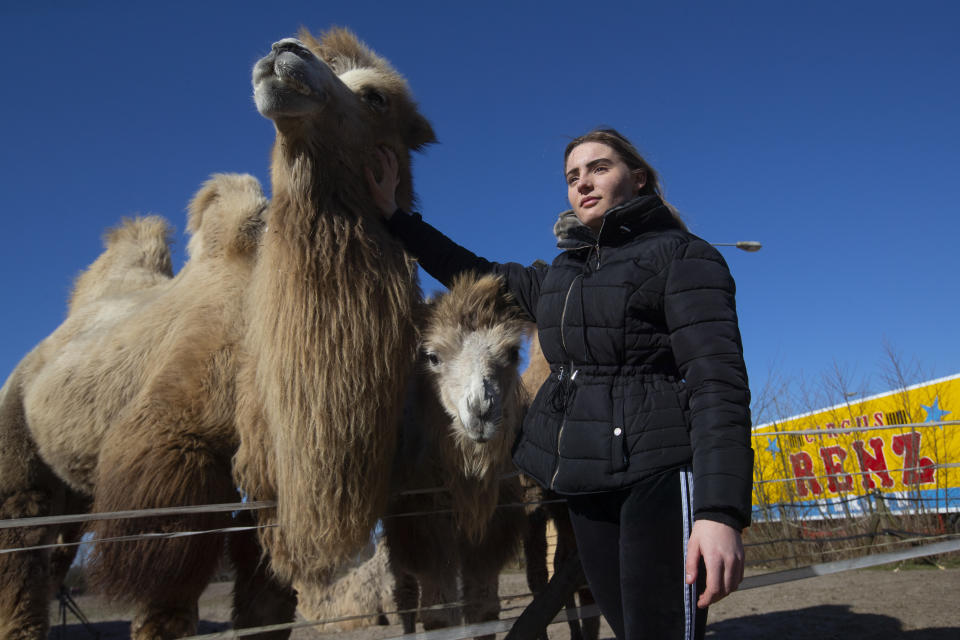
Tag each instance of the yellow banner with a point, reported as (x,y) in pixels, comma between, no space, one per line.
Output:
(896,451)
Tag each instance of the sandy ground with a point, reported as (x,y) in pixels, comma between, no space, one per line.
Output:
(915,604)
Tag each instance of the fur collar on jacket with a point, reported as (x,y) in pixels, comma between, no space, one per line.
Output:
(643,213)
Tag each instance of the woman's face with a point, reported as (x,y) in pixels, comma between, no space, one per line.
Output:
(598,180)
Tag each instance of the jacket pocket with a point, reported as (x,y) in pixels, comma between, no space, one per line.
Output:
(618,433)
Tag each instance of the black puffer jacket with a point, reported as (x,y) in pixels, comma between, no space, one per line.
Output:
(639,326)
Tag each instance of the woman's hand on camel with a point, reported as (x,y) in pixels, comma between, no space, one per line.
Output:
(721,548)
(384,190)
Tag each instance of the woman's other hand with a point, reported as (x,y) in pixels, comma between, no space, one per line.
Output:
(721,548)
(384,190)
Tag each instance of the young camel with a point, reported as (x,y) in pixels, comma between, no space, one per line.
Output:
(463,412)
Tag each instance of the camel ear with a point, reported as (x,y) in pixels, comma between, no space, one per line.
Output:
(308,39)
(420,133)
(496,294)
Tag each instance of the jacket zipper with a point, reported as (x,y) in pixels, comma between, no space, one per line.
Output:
(563,423)
(563,343)
(597,245)
(563,315)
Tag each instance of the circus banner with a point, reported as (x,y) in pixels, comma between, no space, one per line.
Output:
(897,451)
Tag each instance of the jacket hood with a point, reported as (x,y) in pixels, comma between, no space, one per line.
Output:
(634,216)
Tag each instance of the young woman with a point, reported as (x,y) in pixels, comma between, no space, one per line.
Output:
(644,424)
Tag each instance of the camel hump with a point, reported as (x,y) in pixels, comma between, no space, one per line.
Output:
(141,243)
(226,216)
(538,369)
(136,255)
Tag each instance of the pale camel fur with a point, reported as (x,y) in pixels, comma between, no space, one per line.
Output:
(136,254)
(361,597)
(464,410)
(331,336)
(131,402)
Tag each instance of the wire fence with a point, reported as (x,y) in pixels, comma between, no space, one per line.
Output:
(946,544)
(806,548)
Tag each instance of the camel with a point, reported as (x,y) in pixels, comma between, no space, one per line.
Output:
(464,409)
(330,340)
(542,507)
(129,404)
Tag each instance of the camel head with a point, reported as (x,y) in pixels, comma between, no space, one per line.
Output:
(471,348)
(226,217)
(334,102)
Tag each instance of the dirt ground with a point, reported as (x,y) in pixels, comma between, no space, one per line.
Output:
(914,604)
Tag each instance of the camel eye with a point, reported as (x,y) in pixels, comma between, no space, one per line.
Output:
(375,99)
(513,356)
(433,359)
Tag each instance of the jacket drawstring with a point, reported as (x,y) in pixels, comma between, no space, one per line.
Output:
(562,395)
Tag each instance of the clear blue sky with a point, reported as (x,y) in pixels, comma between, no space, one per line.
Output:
(828,131)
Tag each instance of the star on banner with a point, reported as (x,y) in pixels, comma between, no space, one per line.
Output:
(934,412)
(772,446)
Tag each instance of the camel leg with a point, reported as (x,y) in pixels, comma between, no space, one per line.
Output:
(480,564)
(535,555)
(406,594)
(480,591)
(258,599)
(162,455)
(535,550)
(27,489)
(30,579)
(162,620)
(436,590)
(24,575)
(61,558)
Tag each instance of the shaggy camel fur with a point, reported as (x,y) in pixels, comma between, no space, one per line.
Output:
(131,402)
(543,507)
(331,336)
(465,407)
(363,596)
(136,255)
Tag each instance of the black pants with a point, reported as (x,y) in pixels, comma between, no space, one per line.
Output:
(632,544)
